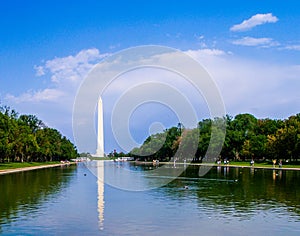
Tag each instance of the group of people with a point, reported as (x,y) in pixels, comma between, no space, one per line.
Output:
(226,162)
(279,164)
(274,163)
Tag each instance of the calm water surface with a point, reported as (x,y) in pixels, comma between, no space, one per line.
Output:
(226,201)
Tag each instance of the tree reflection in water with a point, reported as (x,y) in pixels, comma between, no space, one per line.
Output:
(26,190)
(239,192)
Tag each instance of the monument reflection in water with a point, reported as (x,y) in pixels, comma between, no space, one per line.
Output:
(100,184)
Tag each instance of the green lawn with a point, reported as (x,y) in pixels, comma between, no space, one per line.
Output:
(239,163)
(14,165)
(264,164)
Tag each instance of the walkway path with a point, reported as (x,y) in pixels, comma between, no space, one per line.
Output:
(8,171)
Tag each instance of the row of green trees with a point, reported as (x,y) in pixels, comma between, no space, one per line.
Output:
(246,138)
(25,138)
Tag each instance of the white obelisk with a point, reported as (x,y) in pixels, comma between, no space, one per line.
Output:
(100,134)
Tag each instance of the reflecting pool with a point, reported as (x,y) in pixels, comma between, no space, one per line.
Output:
(75,201)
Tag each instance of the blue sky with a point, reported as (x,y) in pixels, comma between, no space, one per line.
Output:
(251,49)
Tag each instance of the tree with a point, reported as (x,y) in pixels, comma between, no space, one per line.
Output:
(32,121)
(246,137)
(26,138)
(238,131)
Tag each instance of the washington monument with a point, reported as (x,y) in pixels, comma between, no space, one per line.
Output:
(100,134)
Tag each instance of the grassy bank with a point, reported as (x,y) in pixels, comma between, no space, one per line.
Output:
(239,164)
(16,165)
(264,164)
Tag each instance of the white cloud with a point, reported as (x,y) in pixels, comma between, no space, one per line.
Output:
(206,52)
(200,37)
(201,41)
(73,68)
(250,41)
(253,21)
(114,46)
(39,70)
(293,47)
(261,88)
(175,35)
(66,75)
(37,96)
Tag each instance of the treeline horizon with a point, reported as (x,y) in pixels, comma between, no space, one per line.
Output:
(25,138)
(246,138)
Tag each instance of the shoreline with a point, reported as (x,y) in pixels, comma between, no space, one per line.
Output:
(262,167)
(15,170)
(229,165)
